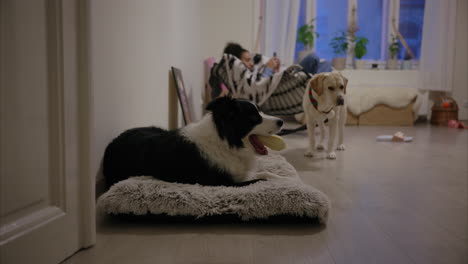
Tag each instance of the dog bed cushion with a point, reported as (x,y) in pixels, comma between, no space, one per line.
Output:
(362,99)
(286,195)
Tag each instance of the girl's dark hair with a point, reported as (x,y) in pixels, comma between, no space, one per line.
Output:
(234,49)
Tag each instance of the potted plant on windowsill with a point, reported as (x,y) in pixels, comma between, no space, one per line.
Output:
(360,49)
(339,45)
(393,49)
(407,64)
(306,35)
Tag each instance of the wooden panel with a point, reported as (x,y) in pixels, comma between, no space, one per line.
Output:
(352,120)
(383,115)
(42,133)
(24,119)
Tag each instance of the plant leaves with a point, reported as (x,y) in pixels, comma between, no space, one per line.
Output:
(306,32)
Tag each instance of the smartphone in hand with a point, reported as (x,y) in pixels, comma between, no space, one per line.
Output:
(278,65)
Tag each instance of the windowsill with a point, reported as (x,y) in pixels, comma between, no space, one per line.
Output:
(382,77)
(401,65)
(380,70)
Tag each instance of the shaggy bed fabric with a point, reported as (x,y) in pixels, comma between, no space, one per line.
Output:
(285,196)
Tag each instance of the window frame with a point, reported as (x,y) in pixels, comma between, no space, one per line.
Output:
(390,8)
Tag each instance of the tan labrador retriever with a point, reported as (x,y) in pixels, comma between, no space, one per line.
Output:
(324,100)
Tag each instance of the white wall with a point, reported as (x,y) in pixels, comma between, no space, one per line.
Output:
(133,45)
(460,84)
(226,20)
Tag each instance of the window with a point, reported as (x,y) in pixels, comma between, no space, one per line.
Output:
(331,19)
(410,26)
(373,18)
(301,21)
(369,14)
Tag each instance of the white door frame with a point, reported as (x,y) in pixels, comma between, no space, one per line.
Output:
(85,110)
(78,10)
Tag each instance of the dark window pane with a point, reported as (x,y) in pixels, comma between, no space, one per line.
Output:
(301,21)
(410,26)
(370,26)
(331,18)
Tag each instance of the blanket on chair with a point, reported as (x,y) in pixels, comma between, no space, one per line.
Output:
(280,94)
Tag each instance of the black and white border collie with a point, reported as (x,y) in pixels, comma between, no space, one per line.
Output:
(220,149)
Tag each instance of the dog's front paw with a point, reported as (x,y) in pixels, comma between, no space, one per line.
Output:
(331,155)
(320,147)
(309,154)
(341,147)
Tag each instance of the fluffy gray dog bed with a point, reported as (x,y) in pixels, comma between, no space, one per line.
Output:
(285,196)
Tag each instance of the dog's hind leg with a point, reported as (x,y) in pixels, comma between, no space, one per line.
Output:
(343,114)
(321,144)
(311,133)
(331,139)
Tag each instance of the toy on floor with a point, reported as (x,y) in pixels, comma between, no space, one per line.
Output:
(456,124)
(397,137)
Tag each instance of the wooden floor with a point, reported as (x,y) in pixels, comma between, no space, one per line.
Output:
(391,203)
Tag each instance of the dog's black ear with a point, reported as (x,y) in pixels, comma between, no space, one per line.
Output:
(225,111)
(220,102)
(224,107)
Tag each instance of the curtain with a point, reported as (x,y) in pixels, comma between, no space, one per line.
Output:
(311,10)
(438,46)
(280,24)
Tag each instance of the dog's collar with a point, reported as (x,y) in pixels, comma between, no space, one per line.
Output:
(315,102)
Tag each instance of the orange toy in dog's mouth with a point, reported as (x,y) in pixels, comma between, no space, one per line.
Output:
(258,145)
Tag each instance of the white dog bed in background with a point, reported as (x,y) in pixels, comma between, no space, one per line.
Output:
(393,106)
(285,196)
(363,99)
